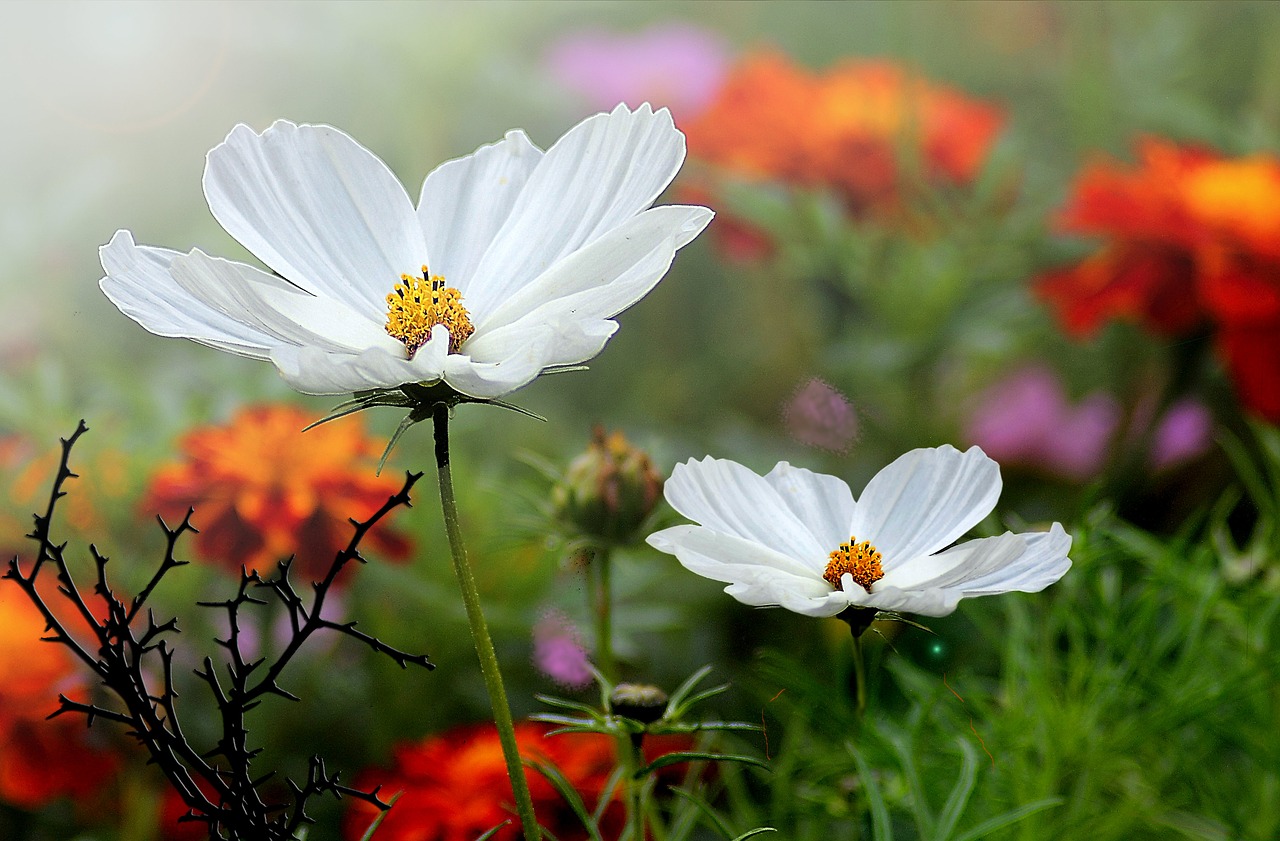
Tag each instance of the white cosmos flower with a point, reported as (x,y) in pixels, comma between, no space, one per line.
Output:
(530,255)
(798,539)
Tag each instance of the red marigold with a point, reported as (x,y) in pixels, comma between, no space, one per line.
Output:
(263,490)
(41,760)
(1189,242)
(455,785)
(857,129)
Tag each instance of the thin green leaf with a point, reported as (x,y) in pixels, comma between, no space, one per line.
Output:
(494,831)
(985,828)
(707,811)
(569,793)
(690,756)
(368,833)
(960,793)
(694,700)
(751,833)
(676,699)
(606,793)
(881,828)
(565,703)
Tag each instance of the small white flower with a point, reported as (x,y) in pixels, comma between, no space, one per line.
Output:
(513,262)
(798,539)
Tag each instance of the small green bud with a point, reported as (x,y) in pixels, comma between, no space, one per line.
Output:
(609,491)
(639,701)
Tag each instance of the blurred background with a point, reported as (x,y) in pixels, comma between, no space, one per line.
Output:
(926,219)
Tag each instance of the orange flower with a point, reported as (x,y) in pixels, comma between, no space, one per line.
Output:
(41,760)
(1189,241)
(264,490)
(858,129)
(455,785)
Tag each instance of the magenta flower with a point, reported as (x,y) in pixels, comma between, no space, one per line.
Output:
(820,416)
(1028,420)
(1185,431)
(672,64)
(558,651)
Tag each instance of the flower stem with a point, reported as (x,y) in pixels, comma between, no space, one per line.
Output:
(860,677)
(631,758)
(601,594)
(480,631)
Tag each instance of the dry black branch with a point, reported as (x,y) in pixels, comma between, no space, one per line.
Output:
(218,783)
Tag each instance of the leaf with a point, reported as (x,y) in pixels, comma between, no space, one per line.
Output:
(494,831)
(985,828)
(706,809)
(569,793)
(689,756)
(881,828)
(960,793)
(677,698)
(368,833)
(751,833)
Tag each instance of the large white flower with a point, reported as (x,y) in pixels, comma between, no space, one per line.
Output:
(513,262)
(798,539)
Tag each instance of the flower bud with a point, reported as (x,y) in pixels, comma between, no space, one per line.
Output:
(609,491)
(639,701)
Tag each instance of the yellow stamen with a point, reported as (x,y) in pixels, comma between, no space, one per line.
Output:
(417,304)
(861,560)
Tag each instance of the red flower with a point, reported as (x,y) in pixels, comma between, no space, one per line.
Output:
(264,490)
(1189,242)
(869,131)
(456,788)
(41,761)
(455,785)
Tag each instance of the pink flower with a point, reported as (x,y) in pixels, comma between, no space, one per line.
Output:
(558,651)
(1185,431)
(1028,420)
(672,64)
(820,416)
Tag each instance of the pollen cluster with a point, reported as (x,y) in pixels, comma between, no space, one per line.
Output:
(416,304)
(861,560)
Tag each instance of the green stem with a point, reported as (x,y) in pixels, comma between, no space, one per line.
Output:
(860,676)
(601,594)
(480,632)
(631,758)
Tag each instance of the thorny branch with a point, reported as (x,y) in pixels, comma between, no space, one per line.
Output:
(217,784)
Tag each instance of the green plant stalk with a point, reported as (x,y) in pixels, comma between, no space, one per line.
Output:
(601,595)
(480,632)
(860,676)
(631,759)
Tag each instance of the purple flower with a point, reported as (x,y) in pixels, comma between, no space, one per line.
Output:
(1028,420)
(820,416)
(558,651)
(674,64)
(1184,432)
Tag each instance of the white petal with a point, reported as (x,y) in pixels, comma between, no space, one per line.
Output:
(602,172)
(317,207)
(139,283)
(1042,563)
(971,559)
(489,379)
(728,498)
(276,307)
(315,371)
(608,275)
(823,503)
(465,201)
(930,602)
(924,500)
(723,557)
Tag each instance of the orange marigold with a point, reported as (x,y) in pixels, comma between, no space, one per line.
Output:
(858,129)
(264,490)
(41,761)
(456,788)
(1189,242)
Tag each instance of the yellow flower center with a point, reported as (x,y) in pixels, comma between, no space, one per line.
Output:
(417,304)
(861,560)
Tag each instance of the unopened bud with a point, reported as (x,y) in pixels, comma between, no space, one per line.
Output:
(609,491)
(639,701)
